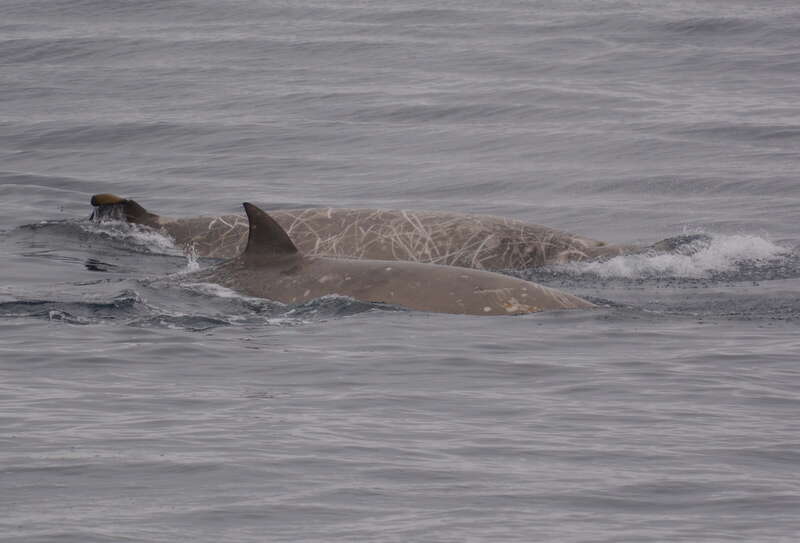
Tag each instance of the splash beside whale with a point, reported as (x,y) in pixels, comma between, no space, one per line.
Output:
(272,267)
(481,242)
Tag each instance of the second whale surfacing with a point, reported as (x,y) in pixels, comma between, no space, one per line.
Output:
(481,242)
(272,267)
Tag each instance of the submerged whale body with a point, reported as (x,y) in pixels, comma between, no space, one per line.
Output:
(272,267)
(455,239)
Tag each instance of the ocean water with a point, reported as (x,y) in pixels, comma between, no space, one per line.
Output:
(136,405)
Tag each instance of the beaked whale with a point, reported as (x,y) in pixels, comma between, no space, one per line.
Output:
(272,267)
(455,239)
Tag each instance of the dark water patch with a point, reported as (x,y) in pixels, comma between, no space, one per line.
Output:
(785,267)
(746,307)
(752,134)
(705,26)
(51,135)
(665,301)
(35,196)
(766,28)
(33,185)
(420,16)
(336,306)
(202,306)
(124,305)
(153,305)
(713,29)
(191,51)
(93,264)
(701,184)
(80,258)
(106,246)
(191,323)
(81,9)
(59,50)
(448,113)
(170,16)
(197,297)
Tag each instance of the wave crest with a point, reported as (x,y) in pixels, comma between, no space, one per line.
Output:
(703,259)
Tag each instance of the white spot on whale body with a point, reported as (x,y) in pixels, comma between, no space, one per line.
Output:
(514,307)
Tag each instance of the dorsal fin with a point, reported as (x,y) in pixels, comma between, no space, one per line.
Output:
(266,239)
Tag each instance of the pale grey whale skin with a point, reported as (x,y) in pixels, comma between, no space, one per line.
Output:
(481,242)
(271,267)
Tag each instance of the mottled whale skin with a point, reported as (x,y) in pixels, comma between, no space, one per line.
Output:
(481,242)
(272,267)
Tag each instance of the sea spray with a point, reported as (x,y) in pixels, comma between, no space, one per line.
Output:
(722,254)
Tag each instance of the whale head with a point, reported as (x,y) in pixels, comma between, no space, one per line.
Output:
(112,207)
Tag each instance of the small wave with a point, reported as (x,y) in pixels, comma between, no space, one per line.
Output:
(192,260)
(141,236)
(712,26)
(67,135)
(192,323)
(58,315)
(135,237)
(720,255)
(191,310)
(751,133)
(216,291)
(447,113)
(122,305)
(427,16)
(332,305)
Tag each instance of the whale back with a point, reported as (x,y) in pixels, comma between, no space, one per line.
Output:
(436,237)
(271,267)
(454,239)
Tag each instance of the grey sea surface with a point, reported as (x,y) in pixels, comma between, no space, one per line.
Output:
(136,405)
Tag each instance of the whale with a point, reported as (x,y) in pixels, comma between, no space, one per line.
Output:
(482,242)
(271,266)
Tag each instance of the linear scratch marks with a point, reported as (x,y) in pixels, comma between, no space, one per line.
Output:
(475,262)
(471,241)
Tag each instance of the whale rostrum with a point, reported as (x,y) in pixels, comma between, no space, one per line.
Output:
(436,237)
(272,267)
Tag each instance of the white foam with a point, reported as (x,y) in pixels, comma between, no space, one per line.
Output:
(723,254)
(153,240)
(218,291)
(212,289)
(192,265)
